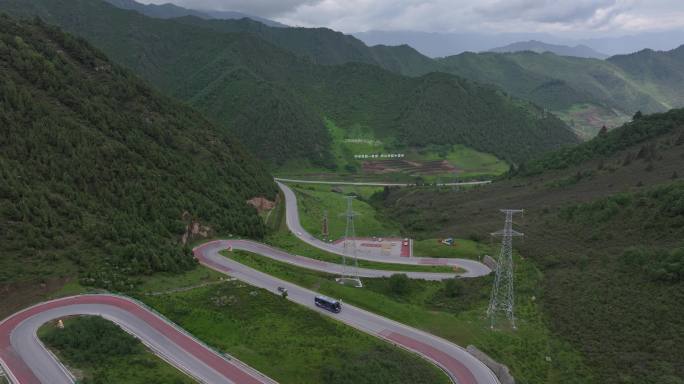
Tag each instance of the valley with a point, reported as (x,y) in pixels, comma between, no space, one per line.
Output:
(222,196)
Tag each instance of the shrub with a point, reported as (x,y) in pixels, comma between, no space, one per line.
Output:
(399,284)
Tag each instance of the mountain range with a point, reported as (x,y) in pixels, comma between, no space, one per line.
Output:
(276,102)
(586,93)
(443,44)
(169,11)
(541,47)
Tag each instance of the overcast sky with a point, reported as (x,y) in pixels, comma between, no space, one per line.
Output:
(570,18)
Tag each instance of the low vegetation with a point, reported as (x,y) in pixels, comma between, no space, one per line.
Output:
(461,248)
(603,223)
(287,241)
(314,201)
(455,310)
(638,131)
(100,352)
(439,163)
(289,343)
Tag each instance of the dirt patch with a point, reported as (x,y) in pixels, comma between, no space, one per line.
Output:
(405,166)
(261,204)
(194,229)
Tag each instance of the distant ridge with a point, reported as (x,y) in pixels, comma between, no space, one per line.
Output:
(170,11)
(542,47)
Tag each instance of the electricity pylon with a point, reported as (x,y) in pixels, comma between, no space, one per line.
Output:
(503,298)
(350,269)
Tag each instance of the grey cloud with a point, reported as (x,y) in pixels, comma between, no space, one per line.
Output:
(546,11)
(565,17)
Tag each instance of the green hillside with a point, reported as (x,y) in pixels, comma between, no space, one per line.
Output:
(636,132)
(663,72)
(276,101)
(215,73)
(585,93)
(605,227)
(99,174)
(325,46)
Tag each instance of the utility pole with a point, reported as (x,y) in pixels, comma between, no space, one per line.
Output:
(350,271)
(503,298)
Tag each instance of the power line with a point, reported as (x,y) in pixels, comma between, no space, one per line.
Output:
(503,298)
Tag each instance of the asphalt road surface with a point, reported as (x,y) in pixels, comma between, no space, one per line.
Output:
(26,361)
(460,365)
(378,183)
(324,266)
(472,268)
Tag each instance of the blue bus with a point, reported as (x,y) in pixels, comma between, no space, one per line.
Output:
(331,305)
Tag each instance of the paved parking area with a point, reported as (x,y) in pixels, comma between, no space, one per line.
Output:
(384,246)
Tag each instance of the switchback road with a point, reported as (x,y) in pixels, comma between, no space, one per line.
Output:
(460,365)
(26,361)
(472,268)
(324,266)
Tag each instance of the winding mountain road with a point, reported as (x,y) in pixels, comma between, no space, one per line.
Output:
(473,268)
(26,361)
(461,366)
(327,267)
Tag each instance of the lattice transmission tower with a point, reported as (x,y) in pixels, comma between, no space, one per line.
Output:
(503,297)
(350,269)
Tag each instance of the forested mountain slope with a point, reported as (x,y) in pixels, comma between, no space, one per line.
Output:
(325,46)
(663,70)
(276,101)
(174,57)
(587,93)
(99,174)
(605,224)
(168,11)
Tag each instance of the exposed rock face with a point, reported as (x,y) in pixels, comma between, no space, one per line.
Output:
(194,229)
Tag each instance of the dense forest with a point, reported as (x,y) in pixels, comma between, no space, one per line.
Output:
(277,100)
(99,173)
(605,224)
